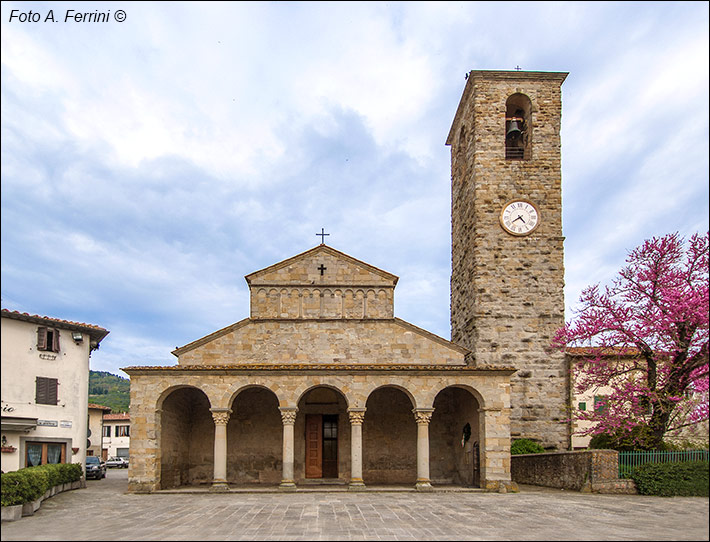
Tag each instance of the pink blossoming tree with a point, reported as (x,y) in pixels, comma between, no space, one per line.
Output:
(646,339)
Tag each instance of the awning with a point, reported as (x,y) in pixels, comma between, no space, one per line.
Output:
(10,423)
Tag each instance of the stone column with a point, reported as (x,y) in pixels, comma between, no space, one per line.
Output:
(288,417)
(423,417)
(221,418)
(357,416)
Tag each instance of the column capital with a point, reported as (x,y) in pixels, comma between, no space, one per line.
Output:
(221,415)
(357,415)
(288,415)
(423,415)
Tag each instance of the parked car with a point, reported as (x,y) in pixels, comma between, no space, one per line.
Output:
(95,468)
(120,462)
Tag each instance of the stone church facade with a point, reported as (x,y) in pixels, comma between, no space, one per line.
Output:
(323,384)
(320,383)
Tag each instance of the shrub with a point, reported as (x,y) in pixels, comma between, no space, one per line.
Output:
(638,438)
(687,479)
(525,446)
(29,484)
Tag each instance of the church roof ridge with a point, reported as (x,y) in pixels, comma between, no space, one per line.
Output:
(333,252)
(322,367)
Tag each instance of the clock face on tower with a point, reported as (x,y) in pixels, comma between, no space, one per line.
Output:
(519,217)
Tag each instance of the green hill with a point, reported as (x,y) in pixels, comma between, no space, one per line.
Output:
(109,390)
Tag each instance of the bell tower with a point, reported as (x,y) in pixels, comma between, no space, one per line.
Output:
(507,279)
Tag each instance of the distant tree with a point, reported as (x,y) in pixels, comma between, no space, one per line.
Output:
(109,390)
(647,339)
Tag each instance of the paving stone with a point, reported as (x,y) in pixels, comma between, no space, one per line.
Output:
(103,511)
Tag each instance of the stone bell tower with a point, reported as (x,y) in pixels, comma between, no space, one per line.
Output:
(507,281)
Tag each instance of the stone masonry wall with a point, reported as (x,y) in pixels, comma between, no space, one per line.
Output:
(507,296)
(594,471)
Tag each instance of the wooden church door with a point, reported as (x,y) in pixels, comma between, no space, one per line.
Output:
(314,446)
(321,446)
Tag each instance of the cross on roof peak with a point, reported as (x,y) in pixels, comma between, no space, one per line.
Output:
(322,235)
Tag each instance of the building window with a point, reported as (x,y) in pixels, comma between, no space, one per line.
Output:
(122,430)
(599,403)
(48,339)
(42,453)
(46,390)
(107,430)
(582,406)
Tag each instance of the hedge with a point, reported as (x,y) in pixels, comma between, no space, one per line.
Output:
(687,479)
(525,446)
(29,484)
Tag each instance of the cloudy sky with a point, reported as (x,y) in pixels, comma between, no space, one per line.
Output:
(149,164)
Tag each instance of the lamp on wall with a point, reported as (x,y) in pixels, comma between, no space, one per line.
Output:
(77,336)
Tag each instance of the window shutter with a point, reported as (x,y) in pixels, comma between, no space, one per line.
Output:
(46,390)
(41,338)
(52,395)
(40,390)
(55,341)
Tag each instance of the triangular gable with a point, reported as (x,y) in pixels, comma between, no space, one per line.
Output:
(322,265)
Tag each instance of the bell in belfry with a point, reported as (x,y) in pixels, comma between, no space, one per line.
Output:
(514,129)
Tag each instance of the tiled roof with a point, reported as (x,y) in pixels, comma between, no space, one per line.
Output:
(97,333)
(99,407)
(320,367)
(605,351)
(119,416)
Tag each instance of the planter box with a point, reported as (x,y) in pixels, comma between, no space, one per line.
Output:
(31,507)
(76,485)
(12,513)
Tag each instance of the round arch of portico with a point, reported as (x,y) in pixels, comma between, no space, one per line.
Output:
(230,395)
(170,389)
(430,395)
(388,384)
(300,393)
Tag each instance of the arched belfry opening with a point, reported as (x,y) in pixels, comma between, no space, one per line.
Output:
(518,127)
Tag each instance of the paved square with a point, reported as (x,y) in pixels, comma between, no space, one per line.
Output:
(104,512)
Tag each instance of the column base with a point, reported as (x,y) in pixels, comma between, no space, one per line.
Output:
(423,485)
(219,487)
(287,485)
(357,484)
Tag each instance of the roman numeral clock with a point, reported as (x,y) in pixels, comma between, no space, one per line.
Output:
(520,217)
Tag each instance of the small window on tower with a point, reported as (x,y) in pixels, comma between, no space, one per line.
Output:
(518,110)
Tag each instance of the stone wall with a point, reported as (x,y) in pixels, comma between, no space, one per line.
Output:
(321,341)
(507,297)
(589,471)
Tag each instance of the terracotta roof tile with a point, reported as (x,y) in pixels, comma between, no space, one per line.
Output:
(96,332)
(118,416)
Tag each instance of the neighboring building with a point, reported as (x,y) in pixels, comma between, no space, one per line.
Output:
(96,428)
(45,389)
(594,399)
(117,435)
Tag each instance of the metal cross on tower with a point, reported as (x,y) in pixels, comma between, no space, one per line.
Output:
(322,234)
